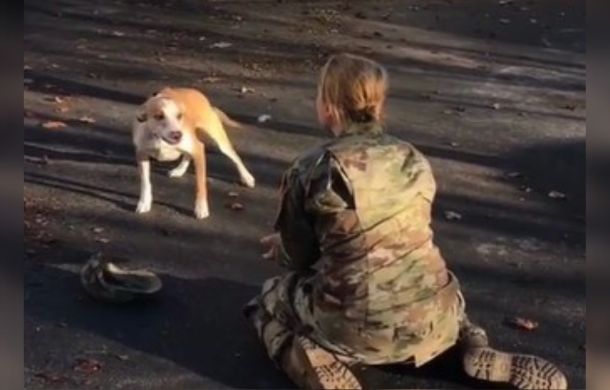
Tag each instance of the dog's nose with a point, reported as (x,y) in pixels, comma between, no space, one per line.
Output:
(175,135)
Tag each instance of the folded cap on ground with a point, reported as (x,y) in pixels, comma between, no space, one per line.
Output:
(106,281)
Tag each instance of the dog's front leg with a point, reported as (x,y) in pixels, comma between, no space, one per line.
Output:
(145,202)
(201,198)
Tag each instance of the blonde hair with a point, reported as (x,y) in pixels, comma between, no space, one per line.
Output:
(353,88)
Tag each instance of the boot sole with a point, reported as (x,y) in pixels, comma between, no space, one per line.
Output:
(521,371)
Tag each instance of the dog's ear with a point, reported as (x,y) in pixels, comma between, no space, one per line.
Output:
(141,117)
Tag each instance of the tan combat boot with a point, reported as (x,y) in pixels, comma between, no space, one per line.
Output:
(522,371)
(312,367)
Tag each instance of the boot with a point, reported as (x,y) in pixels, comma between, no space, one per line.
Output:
(522,371)
(312,367)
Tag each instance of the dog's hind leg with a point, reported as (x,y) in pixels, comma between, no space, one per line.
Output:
(213,129)
(181,169)
(246,177)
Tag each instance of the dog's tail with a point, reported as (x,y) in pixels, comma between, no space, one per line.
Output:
(224,118)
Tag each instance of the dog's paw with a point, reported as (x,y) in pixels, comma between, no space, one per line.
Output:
(201,210)
(143,206)
(248,181)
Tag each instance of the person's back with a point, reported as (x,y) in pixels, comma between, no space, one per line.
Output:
(369,197)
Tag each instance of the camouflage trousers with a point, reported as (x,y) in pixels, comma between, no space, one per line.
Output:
(283,317)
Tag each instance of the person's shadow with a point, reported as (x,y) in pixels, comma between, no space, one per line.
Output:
(199,325)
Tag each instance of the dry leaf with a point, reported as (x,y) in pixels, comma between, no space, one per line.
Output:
(523,323)
(51,377)
(118,33)
(504,21)
(86,119)
(87,366)
(97,229)
(514,175)
(496,106)
(102,240)
(54,125)
(264,118)
(233,194)
(220,45)
(211,79)
(122,357)
(452,216)
(235,206)
(557,195)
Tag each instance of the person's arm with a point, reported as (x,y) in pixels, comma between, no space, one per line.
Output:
(311,203)
(299,248)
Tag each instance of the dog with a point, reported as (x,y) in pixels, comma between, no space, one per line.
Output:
(176,123)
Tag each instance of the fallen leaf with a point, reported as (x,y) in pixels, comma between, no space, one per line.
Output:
(62,324)
(220,45)
(54,125)
(233,194)
(235,206)
(454,144)
(27,81)
(526,189)
(51,377)
(122,357)
(86,119)
(56,99)
(496,106)
(504,21)
(62,109)
(263,118)
(556,195)
(523,323)
(102,240)
(97,229)
(533,21)
(245,89)
(201,38)
(570,107)
(514,175)
(211,79)
(452,216)
(87,366)
(118,33)
(505,2)
(447,111)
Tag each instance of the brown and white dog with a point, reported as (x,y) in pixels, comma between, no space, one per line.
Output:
(174,123)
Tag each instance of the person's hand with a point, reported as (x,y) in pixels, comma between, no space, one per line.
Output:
(272,244)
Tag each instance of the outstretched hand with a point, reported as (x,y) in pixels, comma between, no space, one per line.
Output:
(272,244)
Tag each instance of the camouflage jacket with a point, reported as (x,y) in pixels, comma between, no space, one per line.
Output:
(356,213)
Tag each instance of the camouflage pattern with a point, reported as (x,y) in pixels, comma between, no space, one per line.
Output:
(368,284)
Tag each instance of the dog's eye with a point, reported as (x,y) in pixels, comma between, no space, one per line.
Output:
(179,116)
(141,118)
(159,116)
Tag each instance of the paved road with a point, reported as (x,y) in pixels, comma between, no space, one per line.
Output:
(484,89)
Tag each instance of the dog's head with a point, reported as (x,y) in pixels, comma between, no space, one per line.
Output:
(163,118)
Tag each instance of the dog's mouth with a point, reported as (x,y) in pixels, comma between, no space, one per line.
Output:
(170,141)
